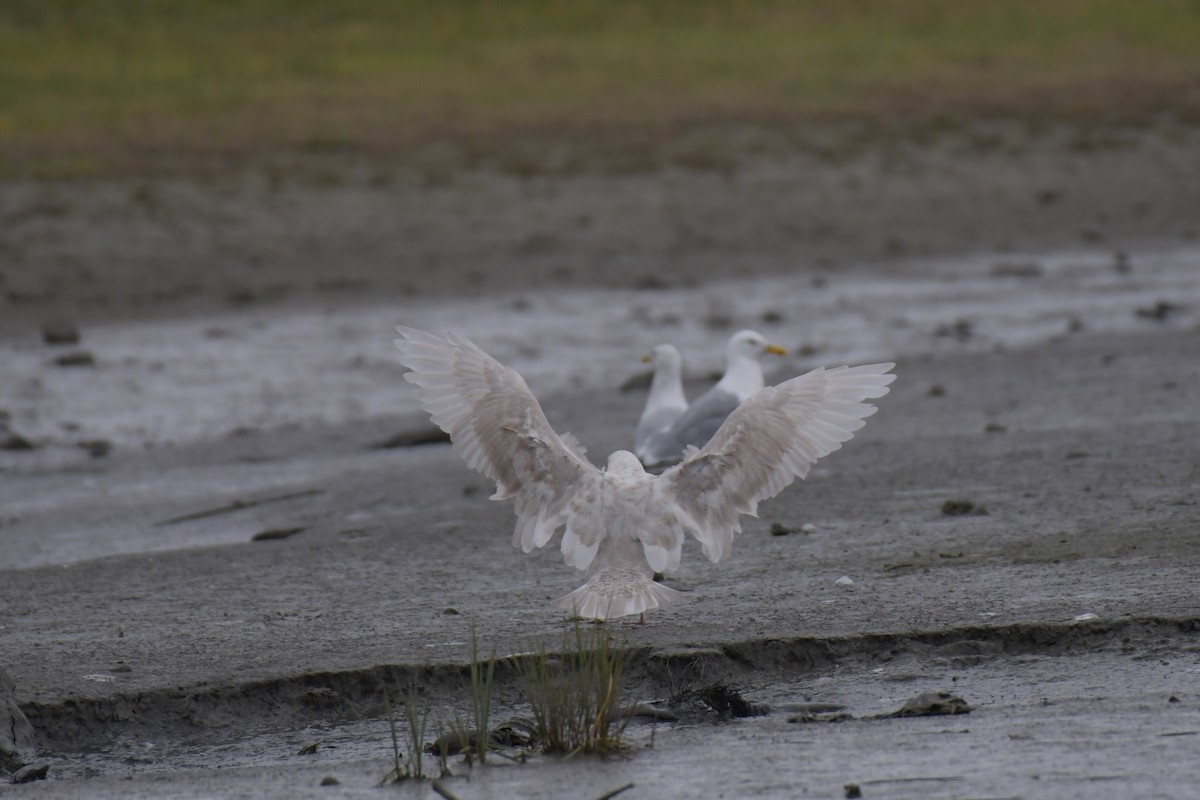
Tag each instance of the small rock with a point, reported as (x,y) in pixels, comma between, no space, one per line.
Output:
(31,773)
(957,508)
(932,704)
(308,749)
(778,529)
(16,443)
(275,534)
(450,611)
(994,427)
(845,580)
(807,527)
(414,438)
(960,329)
(96,448)
(80,358)
(1085,617)
(120,667)
(852,791)
(937,390)
(329,780)
(1172,699)
(1158,312)
(1017,269)
(60,332)
(651,283)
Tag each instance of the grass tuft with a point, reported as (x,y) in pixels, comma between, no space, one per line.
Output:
(574,696)
(416,719)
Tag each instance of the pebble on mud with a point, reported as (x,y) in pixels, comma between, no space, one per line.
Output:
(961,507)
(779,529)
(932,704)
(31,773)
(1158,312)
(845,580)
(275,534)
(96,448)
(16,443)
(852,791)
(60,331)
(80,358)
(329,780)
(414,438)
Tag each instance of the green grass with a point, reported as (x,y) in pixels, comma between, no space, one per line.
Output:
(94,81)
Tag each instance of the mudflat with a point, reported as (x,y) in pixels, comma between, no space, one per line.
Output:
(232,529)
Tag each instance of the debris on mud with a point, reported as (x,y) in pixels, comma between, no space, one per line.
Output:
(932,704)
(96,448)
(60,332)
(1017,269)
(16,734)
(960,507)
(1159,311)
(725,700)
(15,442)
(824,716)
(275,534)
(31,773)
(413,438)
(516,733)
(79,358)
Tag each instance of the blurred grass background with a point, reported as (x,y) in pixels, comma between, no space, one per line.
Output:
(94,86)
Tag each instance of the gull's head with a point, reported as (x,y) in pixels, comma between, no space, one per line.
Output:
(624,461)
(663,356)
(751,344)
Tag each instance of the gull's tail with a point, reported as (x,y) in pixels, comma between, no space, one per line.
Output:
(604,598)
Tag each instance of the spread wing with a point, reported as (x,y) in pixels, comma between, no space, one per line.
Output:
(499,429)
(769,441)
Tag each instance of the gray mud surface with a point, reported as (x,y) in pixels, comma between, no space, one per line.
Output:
(182,613)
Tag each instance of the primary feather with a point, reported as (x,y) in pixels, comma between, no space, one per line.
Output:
(623,524)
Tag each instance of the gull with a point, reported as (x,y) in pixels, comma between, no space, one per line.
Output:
(622,524)
(743,377)
(666,401)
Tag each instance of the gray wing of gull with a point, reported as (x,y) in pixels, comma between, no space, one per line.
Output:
(653,426)
(695,427)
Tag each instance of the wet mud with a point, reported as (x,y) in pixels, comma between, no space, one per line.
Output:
(229,531)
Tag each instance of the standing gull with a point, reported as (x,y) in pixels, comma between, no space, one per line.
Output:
(743,377)
(666,401)
(623,524)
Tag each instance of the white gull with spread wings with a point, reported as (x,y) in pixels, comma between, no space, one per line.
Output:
(622,523)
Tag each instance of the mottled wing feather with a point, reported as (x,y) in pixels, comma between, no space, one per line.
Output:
(772,438)
(499,429)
